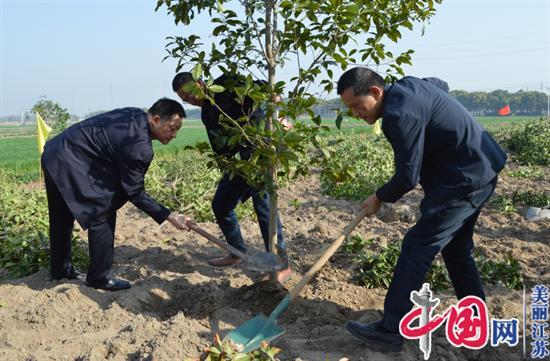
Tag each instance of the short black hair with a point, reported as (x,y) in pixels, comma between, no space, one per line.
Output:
(360,79)
(180,79)
(166,108)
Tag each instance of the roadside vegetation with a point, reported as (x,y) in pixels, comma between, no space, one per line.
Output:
(180,179)
(374,268)
(529,142)
(182,182)
(24,242)
(362,163)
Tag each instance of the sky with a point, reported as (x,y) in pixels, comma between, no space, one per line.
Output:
(91,55)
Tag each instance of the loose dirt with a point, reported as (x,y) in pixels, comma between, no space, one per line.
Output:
(178,303)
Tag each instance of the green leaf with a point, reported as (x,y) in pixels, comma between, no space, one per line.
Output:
(316,120)
(197,72)
(289,156)
(219,29)
(214,350)
(339,120)
(216,88)
(242,357)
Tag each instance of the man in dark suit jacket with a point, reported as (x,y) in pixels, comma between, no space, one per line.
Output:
(438,144)
(231,191)
(91,170)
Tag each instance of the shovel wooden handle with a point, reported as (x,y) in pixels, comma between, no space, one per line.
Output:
(217,241)
(328,253)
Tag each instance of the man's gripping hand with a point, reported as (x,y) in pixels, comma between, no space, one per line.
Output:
(372,204)
(180,221)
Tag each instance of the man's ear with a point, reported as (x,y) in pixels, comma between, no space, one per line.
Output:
(376,92)
(156,120)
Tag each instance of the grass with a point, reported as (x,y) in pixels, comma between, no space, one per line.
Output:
(10,131)
(512,120)
(20,154)
(18,149)
(188,135)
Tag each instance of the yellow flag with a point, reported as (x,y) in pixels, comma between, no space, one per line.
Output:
(377,130)
(43,132)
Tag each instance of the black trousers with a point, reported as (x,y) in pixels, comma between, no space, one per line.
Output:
(228,195)
(101,235)
(448,230)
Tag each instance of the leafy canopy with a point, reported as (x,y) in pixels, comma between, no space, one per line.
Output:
(256,39)
(52,113)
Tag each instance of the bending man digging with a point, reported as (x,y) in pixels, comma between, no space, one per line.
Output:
(438,144)
(231,191)
(91,170)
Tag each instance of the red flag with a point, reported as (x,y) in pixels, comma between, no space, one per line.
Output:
(505,110)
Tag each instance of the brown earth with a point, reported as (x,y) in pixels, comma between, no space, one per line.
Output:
(178,302)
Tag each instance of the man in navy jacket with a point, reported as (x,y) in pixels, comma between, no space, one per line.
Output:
(231,191)
(438,144)
(91,170)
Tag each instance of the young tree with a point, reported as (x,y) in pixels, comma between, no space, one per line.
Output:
(52,113)
(257,38)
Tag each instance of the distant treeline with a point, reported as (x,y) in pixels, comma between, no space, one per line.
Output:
(478,103)
(521,102)
(31,118)
(191,113)
(10,119)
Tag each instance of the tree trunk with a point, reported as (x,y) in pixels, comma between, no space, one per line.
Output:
(271,54)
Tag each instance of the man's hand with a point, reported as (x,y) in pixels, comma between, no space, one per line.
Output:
(372,204)
(285,123)
(180,221)
(276,98)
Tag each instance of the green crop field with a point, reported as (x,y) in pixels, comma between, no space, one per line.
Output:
(11,131)
(18,147)
(20,153)
(511,120)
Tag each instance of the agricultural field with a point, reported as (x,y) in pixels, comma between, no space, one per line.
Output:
(20,153)
(14,131)
(178,303)
(18,150)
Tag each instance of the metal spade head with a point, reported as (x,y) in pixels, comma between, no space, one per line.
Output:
(261,262)
(264,262)
(250,335)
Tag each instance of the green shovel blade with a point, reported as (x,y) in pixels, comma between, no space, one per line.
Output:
(251,333)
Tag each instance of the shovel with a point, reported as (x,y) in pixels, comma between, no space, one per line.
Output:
(259,262)
(250,335)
